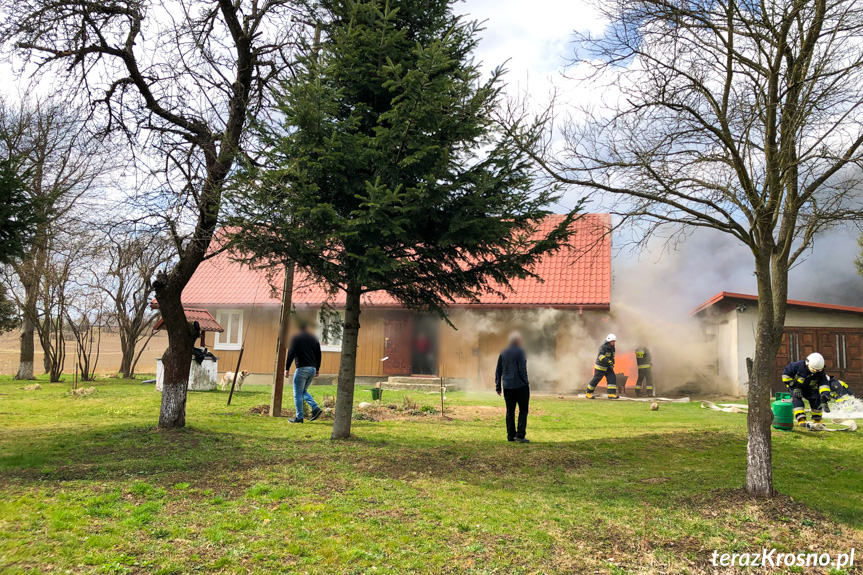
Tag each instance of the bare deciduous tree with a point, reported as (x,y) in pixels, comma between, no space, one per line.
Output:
(124,272)
(744,117)
(184,93)
(61,163)
(85,318)
(56,285)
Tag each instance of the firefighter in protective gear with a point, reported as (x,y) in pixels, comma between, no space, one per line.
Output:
(835,391)
(645,377)
(604,367)
(804,380)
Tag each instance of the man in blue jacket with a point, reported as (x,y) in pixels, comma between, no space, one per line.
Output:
(511,375)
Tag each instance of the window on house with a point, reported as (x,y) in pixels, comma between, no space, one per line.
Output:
(231,321)
(330,324)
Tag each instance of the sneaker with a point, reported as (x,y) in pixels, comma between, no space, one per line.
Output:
(295,420)
(522,440)
(316,414)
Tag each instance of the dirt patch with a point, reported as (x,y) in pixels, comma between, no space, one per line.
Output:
(451,413)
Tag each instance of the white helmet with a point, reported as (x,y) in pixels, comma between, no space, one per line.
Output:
(815,362)
(611,337)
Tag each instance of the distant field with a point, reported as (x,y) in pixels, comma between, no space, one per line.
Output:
(109,356)
(89,486)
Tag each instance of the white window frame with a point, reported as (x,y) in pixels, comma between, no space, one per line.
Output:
(319,332)
(226,345)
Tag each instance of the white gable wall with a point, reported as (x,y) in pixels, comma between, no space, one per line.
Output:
(735,338)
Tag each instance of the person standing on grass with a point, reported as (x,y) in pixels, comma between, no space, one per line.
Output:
(511,376)
(305,350)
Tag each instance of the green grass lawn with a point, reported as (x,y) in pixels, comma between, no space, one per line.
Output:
(89,486)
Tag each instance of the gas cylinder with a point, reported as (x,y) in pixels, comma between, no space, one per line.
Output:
(783,412)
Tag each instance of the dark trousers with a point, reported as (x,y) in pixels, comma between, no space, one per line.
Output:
(810,395)
(644,377)
(610,380)
(521,398)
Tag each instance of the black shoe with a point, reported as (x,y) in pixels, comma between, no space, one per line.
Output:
(510,439)
(522,440)
(316,414)
(295,420)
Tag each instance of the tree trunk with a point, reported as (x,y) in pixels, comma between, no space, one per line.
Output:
(282,349)
(176,361)
(348,365)
(28,349)
(759,468)
(27,355)
(47,364)
(127,356)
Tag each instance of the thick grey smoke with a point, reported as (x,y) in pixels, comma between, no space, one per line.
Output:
(709,262)
(653,294)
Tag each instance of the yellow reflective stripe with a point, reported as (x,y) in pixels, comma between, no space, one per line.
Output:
(599,367)
(786,378)
(645,366)
(823,388)
(797,411)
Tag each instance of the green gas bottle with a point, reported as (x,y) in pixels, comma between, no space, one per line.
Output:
(783,412)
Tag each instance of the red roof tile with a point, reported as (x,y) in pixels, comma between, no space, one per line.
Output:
(206,321)
(723,298)
(579,276)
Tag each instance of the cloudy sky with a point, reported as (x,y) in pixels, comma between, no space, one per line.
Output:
(534,40)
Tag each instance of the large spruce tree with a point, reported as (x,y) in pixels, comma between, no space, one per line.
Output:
(389,172)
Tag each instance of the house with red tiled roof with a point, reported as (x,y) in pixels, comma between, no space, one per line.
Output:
(575,287)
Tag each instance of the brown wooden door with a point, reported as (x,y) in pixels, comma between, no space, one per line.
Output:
(853,371)
(790,350)
(842,350)
(398,330)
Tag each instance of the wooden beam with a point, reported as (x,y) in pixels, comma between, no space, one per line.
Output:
(282,343)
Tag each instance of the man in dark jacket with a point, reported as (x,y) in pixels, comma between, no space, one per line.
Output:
(305,351)
(511,376)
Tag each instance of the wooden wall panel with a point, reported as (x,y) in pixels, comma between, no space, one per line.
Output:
(463,353)
(458,353)
(370,348)
(262,333)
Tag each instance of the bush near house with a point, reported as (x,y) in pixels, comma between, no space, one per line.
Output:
(89,486)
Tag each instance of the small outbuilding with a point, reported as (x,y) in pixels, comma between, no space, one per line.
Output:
(729,323)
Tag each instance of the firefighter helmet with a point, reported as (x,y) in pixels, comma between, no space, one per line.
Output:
(815,362)
(611,337)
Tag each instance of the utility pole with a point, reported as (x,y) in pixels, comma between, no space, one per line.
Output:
(282,345)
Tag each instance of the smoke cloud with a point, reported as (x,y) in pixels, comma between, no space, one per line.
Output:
(653,294)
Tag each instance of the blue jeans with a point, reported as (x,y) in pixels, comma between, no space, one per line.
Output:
(303,377)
